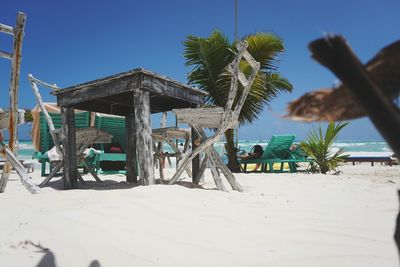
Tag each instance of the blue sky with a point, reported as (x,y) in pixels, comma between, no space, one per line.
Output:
(69,42)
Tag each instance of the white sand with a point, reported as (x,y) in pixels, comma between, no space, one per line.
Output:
(280,220)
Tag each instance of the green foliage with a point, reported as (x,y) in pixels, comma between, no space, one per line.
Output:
(319,147)
(28,115)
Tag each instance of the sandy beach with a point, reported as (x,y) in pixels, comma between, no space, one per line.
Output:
(279,220)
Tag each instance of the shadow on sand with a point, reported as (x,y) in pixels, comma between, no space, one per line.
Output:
(49,260)
(117,185)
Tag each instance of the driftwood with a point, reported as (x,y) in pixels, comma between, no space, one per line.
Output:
(219,118)
(339,103)
(26,180)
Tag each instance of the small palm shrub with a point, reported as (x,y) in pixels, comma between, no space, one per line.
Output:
(319,148)
(28,115)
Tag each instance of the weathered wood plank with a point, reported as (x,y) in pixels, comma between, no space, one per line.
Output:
(129,81)
(106,107)
(131,172)
(160,145)
(5,55)
(202,117)
(225,170)
(144,141)
(200,173)
(217,178)
(6,29)
(179,156)
(53,172)
(93,92)
(52,129)
(5,175)
(12,161)
(170,132)
(162,86)
(70,174)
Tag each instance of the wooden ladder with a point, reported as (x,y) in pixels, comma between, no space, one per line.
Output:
(8,151)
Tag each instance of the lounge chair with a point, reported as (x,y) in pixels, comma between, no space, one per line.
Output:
(46,141)
(109,161)
(298,155)
(277,151)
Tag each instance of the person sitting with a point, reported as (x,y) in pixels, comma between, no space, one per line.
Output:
(255,153)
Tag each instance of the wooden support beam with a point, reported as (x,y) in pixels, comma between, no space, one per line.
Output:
(144,140)
(5,175)
(196,175)
(5,55)
(160,147)
(70,174)
(214,171)
(6,29)
(11,162)
(131,159)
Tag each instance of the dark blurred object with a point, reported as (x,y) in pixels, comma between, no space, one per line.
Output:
(113,165)
(372,89)
(338,103)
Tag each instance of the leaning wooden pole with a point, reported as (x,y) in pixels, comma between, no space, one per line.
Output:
(14,82)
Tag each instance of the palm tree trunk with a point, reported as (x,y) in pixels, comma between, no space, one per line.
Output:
(233,163)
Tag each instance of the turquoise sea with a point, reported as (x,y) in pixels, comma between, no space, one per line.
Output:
(352,147)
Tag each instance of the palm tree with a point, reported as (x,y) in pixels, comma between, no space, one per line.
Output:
(208,58)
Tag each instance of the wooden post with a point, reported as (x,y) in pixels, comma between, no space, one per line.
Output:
(196,160)
(160,147)
(131,173)
(39,99)
(14,82)
(144,140)
(69,144)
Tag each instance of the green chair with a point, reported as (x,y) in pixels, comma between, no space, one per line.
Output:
(277,151)
(105,160)
(46,142)
(298,155)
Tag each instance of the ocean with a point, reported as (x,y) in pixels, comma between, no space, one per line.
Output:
(352,147)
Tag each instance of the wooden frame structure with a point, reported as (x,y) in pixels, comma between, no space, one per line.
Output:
(8,151)
(169,135)
(84,137)
(134,94)
(219,118)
